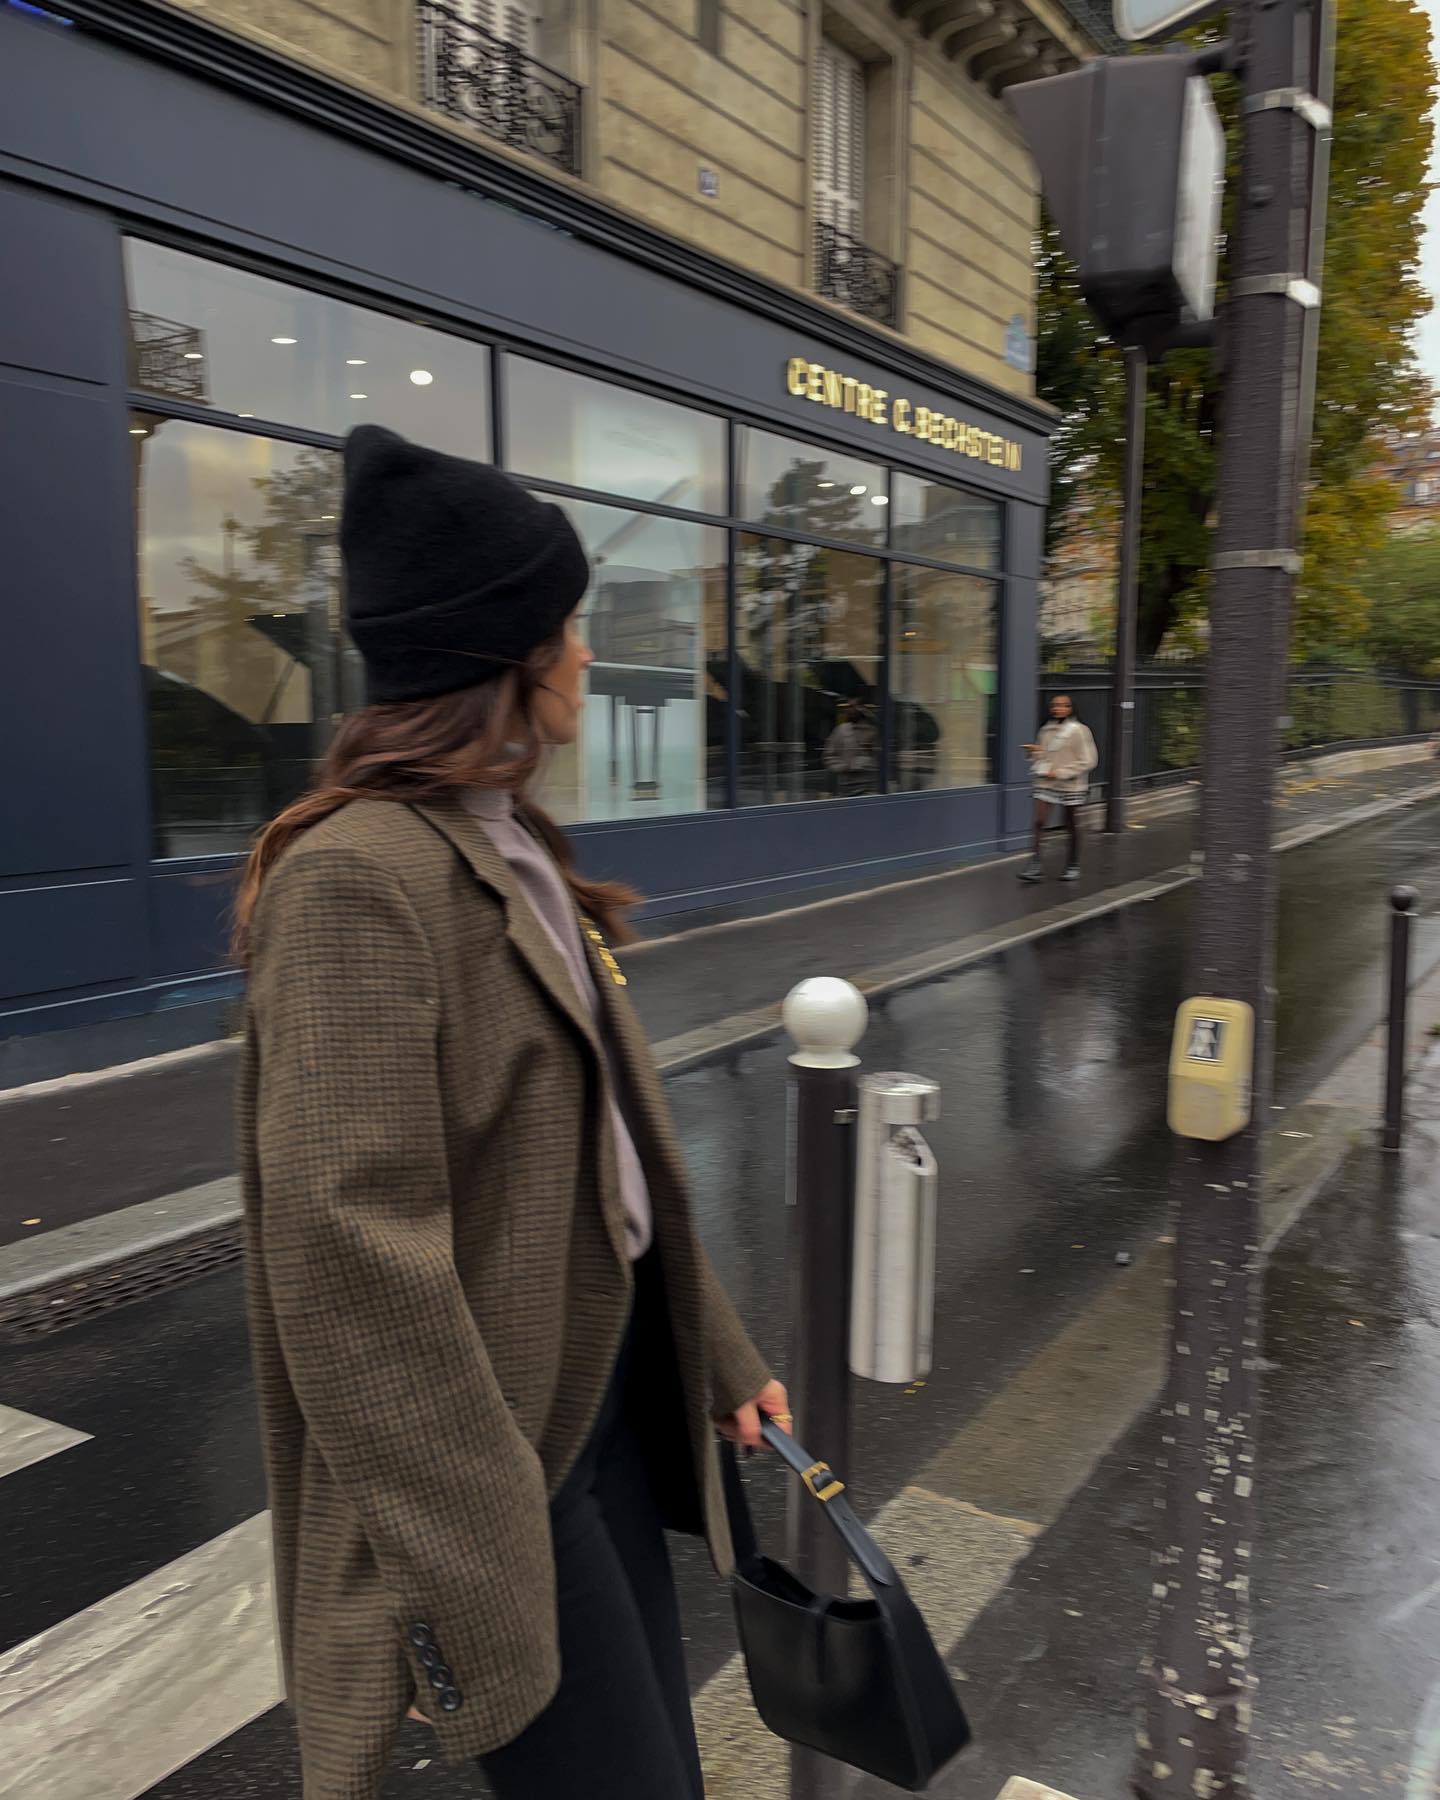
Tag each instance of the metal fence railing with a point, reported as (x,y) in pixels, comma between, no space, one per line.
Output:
(470,74)
(855,275)
(1325,709)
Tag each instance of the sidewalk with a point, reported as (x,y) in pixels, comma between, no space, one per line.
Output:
(1349,1697)
(89,1145)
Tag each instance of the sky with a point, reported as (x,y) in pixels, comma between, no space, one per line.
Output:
(1428,335)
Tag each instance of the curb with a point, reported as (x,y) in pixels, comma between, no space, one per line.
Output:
(64,1276)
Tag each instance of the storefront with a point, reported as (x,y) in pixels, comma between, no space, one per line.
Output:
(815,550)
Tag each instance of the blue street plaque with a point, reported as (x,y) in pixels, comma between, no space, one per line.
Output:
(1017,345)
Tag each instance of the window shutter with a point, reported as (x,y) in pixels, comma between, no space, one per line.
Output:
(518,26)
(478,12)
(514,24)
(839,139)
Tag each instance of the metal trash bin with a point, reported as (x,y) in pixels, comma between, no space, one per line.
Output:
(892,1305)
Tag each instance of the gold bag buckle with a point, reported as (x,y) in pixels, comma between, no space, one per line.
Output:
(822,1481)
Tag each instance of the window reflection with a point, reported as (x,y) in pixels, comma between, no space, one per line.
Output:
(239,624)
(805,487)
(248,347)
(809,630)
(652,734)
(943,678)
(931,518)
(592,434)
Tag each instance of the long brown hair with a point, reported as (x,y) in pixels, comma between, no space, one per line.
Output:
(484,736)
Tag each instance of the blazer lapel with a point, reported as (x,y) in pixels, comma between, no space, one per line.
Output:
(650,1116)
(524,930)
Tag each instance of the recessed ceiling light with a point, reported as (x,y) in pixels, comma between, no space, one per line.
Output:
(859,489)
(359,396)
(325,516)
(284,340)
(354,362)
(879,499)
(138,431)
(194,356)
(421,377)
(824,484)
(244,415)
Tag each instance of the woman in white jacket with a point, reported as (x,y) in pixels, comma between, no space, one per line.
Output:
(1061,763)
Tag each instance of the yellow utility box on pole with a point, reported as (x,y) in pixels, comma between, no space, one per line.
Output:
(1211,1060)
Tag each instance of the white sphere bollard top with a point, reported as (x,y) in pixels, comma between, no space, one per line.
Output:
(826,1017)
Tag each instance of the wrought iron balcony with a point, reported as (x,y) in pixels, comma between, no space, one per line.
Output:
(471,75)
(167,358)
(855,275)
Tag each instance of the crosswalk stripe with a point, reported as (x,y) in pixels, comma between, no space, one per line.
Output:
(121,1695)
(24,1440)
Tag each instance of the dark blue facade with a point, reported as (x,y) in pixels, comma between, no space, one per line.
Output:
(99,141)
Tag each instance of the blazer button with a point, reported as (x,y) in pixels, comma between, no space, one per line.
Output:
(421,1635)
(441,1678)
(429,1655)
(450,1700)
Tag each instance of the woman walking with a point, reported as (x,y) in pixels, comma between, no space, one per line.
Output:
(1060,763)
(491,1354)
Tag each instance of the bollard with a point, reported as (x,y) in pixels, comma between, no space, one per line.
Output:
(826,1017)
(1403,901)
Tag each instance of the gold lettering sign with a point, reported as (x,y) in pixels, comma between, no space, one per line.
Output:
(808,380)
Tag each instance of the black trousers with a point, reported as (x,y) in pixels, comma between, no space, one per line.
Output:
(620,1726)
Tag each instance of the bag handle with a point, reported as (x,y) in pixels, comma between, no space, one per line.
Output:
(825,1488)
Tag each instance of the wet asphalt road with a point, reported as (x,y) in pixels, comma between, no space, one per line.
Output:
(84,1149)
(1053,1156)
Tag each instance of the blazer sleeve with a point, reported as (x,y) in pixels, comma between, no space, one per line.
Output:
(737,1369)
(379,1343)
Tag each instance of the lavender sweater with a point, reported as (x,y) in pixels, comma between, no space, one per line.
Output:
(544,887)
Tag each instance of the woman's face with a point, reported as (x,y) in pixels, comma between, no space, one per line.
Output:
(1060,707)
(557,704)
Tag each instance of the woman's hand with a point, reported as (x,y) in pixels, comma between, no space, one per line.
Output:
(416,1714)
(743,1425)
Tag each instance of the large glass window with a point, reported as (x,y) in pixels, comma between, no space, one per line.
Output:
(592,434)
(805,487)
(239,625)
(809,630)
(943,679)
(247,664)
(931,518)
(652,736)
(251,348)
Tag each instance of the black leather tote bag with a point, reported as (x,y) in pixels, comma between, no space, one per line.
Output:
(859,1680)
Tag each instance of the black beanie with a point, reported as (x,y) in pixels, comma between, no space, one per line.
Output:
(453,571)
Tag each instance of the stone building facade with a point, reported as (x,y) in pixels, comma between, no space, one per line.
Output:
(856,149)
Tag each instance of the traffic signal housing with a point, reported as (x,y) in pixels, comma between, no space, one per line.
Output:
(1131,155)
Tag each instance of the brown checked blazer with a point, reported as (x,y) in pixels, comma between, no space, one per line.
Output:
(438,1279)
